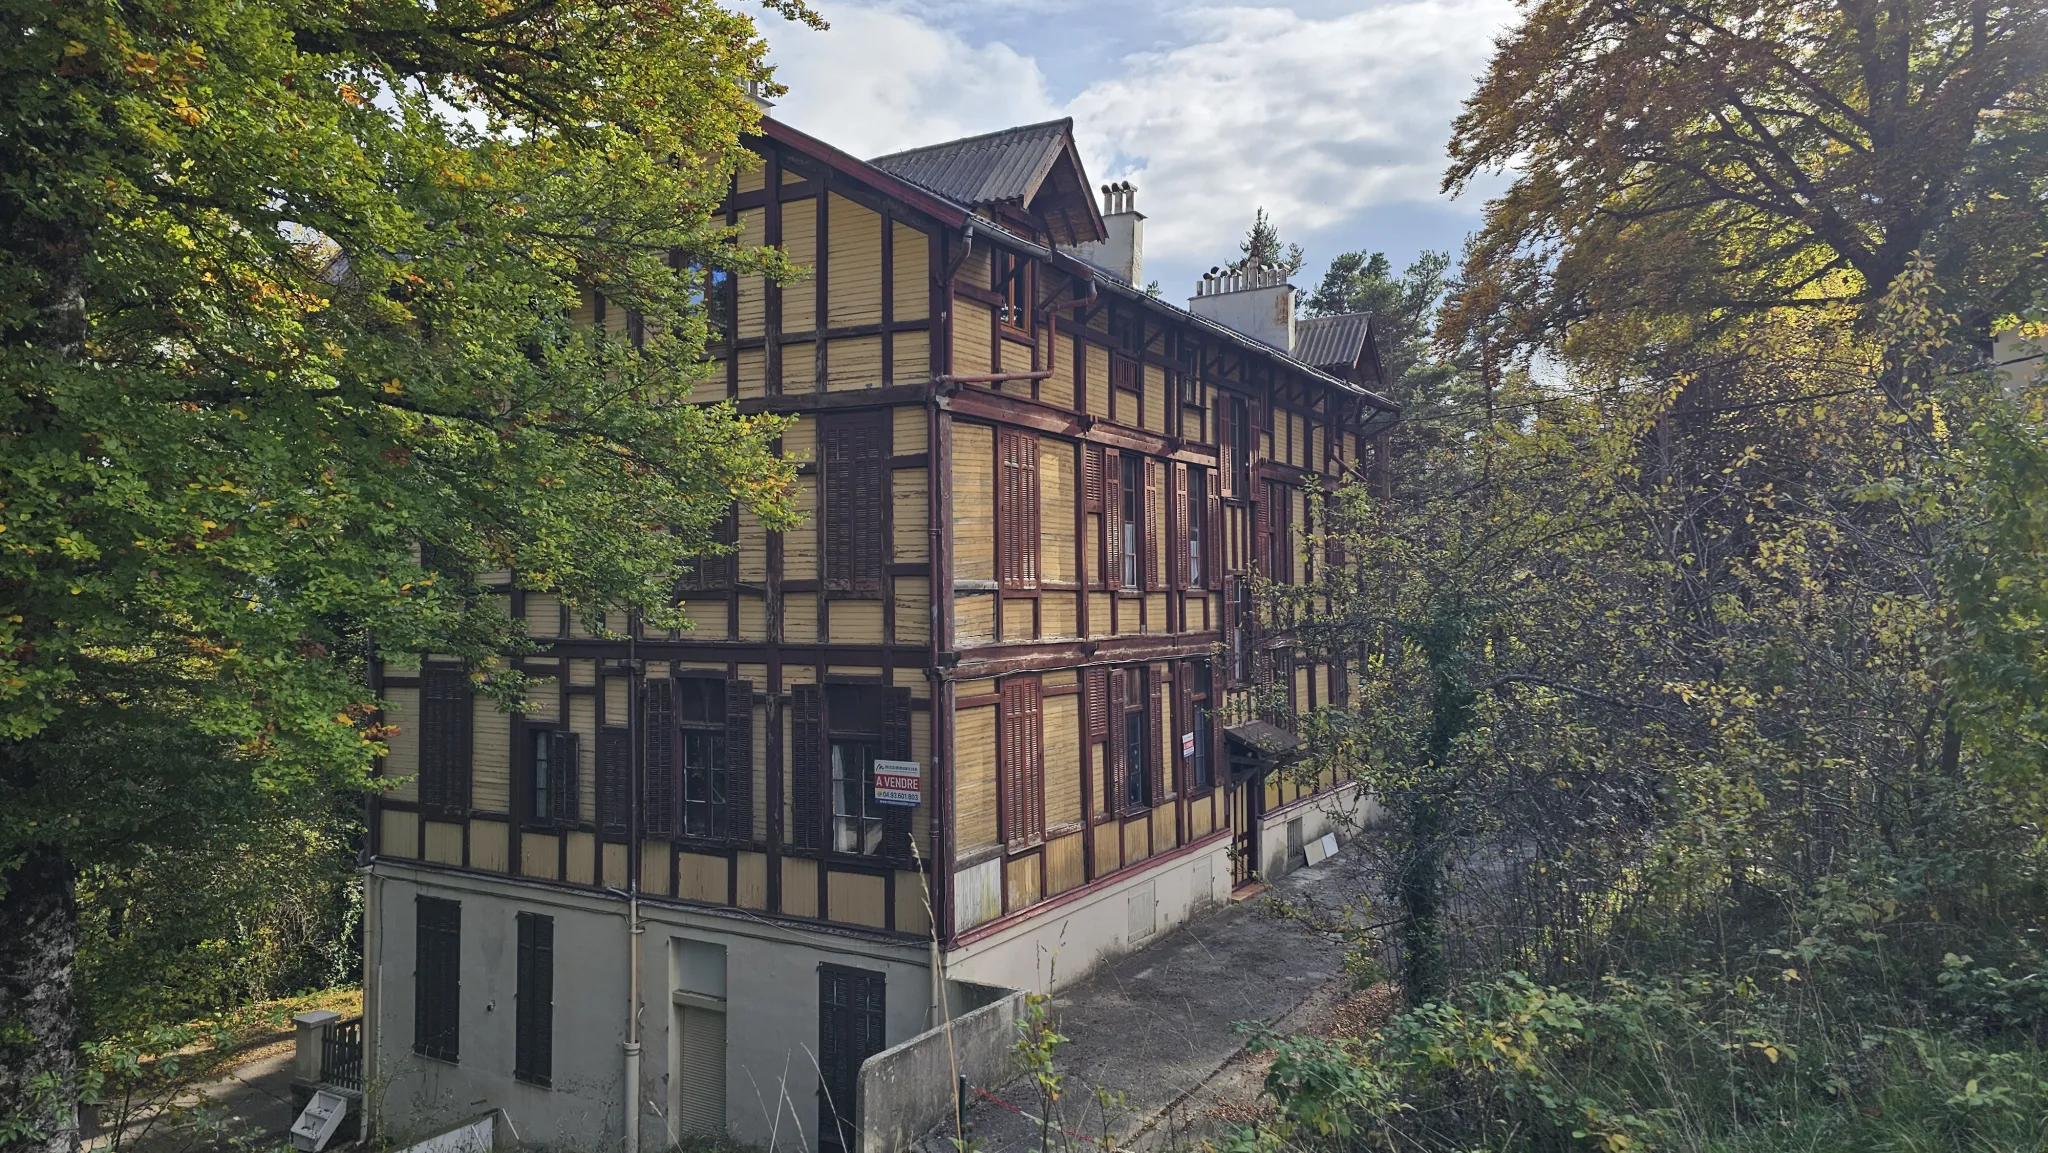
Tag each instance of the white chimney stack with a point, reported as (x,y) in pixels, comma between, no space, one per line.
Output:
(1123,254)
(1256,301)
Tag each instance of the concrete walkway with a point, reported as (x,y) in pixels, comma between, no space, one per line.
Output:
(1154,1029)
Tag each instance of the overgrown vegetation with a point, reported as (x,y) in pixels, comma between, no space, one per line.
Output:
(1701,649)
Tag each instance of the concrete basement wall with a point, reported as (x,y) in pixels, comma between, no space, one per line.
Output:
(907,1090)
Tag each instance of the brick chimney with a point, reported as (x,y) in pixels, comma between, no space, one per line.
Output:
(1123,254)
(1257,302)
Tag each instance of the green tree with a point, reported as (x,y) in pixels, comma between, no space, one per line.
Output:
(286,301)
(1263,248)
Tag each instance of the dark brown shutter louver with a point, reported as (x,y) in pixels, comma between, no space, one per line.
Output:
(1149,559)
(1091,478)
(534,1029)
(658,760)
(1212,544)
(446,719)
(1226,439)
(1096,682)
(739,761)
(1017,510)
(1119,752)
(806,770)
(896,746)
(1177,532)
(1112,571)
(563,784)
(1034,761)
(614,779)
(1155,731)
(437,978)
(853,484)
(1232,628)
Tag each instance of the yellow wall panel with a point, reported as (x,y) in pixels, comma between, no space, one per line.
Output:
(854,265)
(856,622)
(710,386)
(402,749)
(974,777)
(753,373)
(974,502)
(1020,620)
(910,360)
(753,290)
(1109,847)
(857,899)
(974,618)
(400,833)
(444,843)
(800,242)
(913,610)
(800,618)
(799,366)
(800,439)
(1098,380)
(701,877)
(1155,398)
(543,700)
(617,692)
(615,862)
(487,841)
(1056,615)
(910,498)
(799,887)
(540,855)
(543,615)
(1062,721)
(1137,841)
(913,911)
(800,544)
(910,272)
(654,864)
(1165,829)
(973,327)
(753,617)
(853,362)
(753,880)
(1020,883)
(1058,389)
(490,757)
(1098,615)
(1065,865)
(583,722)
(1016,358)
(750,177)
(907,428)
(753,549)
(1056,509)
(582,859)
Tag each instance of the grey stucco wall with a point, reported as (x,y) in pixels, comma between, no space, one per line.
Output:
(771,977)
(908,1089)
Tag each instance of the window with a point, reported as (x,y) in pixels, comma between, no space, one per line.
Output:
(1017,510)
(1013,284)
(1202,769)
(1021,751)
(533,1049)
(1195,516)
(837,733)
(614,780)
(445,715)
(700,717)
(551,777)
(713,571)
(1238,604)
(1127,388)
(853,461)
(1138,749)
(697,780)
(1132,520)
(437,978)
(1239,447)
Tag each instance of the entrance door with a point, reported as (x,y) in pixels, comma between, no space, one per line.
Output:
(850,1030)
(1247,805)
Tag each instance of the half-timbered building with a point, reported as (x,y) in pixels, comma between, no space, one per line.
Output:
(1000,708)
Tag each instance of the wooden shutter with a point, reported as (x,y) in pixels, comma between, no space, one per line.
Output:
(1096,682)
(562,783)
(1212,546)
(1155,730)
(852,1026)
(446,721)
(1177,531)
(1226,406)
(896,746)
(806,766)
(1262,531)
(1184,722)
(739,761)
(614,779)
(1231,627)
(1091,478)
(534,1028)
(437,978)
(1022,756)
(1119,753)
(1017,510)
(853,486)
(1148,558)
(1112,519)
(658,758)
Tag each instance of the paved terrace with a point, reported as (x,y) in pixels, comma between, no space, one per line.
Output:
(1156,1026)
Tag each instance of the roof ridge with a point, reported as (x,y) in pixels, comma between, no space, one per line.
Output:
(1064,122)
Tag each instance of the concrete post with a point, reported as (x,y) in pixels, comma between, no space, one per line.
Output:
(310,1032)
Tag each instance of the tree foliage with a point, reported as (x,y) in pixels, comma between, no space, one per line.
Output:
(286,294)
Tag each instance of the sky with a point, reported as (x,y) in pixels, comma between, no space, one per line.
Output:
(1331,114)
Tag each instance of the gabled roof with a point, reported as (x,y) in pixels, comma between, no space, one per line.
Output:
(1034,167)
(1332,343)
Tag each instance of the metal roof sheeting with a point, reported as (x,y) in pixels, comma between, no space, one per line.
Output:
(998,166)
(1331,343)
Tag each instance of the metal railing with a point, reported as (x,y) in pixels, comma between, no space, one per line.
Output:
(341,1054)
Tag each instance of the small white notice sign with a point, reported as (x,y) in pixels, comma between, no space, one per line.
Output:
(1187,744)
(899,783)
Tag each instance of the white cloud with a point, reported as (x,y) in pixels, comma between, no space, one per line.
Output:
(1317,119)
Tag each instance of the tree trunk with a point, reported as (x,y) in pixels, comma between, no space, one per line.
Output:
(38,1020)
(1424,972)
